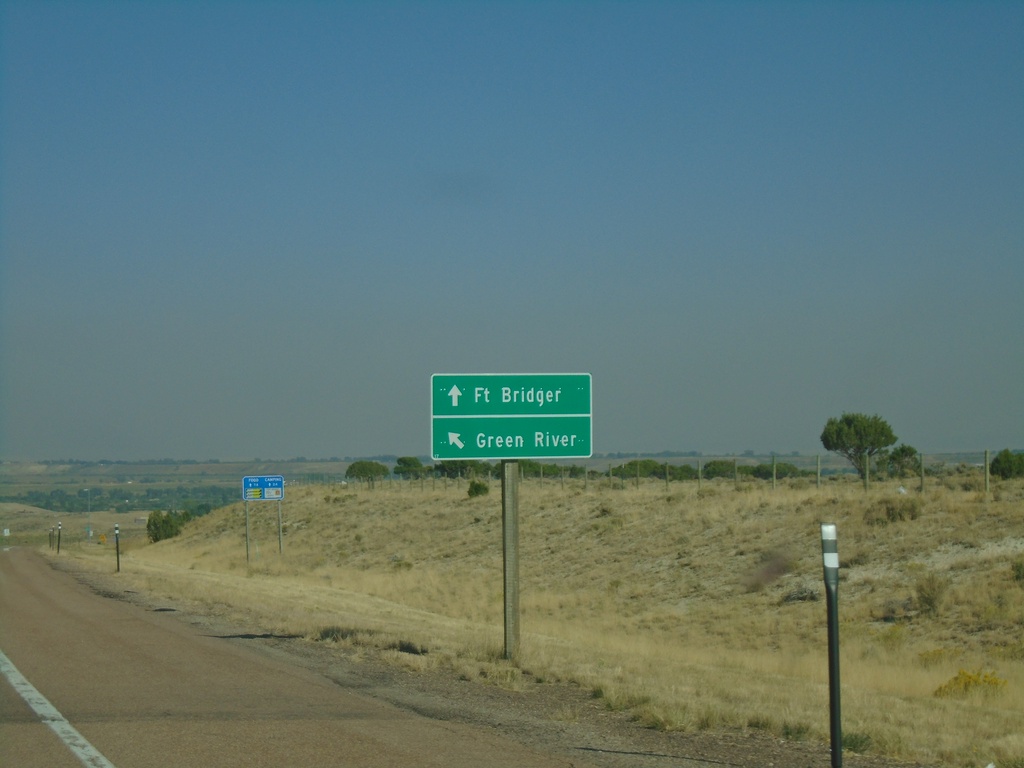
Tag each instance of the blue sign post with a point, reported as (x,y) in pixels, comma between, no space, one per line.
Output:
(263,488)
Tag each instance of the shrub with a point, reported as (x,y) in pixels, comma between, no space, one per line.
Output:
(478,488)
(164,525)
(334,634)
(893,638)
(903,508)
(406,646)
(894,510)
(337,634)
(964,682)
(802,594)
(936,656)
(795,731)
(931,589)
(856,742)
(1017,568)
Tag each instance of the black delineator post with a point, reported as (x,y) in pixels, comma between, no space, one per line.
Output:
(117,545)
(830,561)
(58,538)
(510,552)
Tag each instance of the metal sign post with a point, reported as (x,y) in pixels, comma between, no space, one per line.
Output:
(830,561)
(510,417)
(263,488)
(510,555)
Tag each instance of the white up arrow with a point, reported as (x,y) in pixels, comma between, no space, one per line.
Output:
(453,438)
(455,393)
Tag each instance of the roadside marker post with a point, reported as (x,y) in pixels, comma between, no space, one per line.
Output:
(117,545)
(830,562)
(58,537)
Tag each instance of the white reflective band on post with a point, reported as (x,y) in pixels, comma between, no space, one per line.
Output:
(829,545)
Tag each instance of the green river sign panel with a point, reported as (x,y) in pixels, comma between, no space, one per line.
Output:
(496,416)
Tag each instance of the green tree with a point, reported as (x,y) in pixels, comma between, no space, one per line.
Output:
(1007,464)
(858,438)
(640,467)
(529,468)
(718,468)
(366,470)
(462,468)
(409,466)
(902,461)
(682,472)
(782,471)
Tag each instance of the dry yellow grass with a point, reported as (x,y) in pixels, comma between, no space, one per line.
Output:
(692,609)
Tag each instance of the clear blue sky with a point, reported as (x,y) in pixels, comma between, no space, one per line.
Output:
(256,229)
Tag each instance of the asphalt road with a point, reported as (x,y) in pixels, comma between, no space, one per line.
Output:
(141,688)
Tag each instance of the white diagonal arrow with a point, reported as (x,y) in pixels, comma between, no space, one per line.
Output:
(453,438)
(455,393)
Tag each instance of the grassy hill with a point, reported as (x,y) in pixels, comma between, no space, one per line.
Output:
(692,608)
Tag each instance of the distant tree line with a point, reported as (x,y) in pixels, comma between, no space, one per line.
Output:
(901,461)
(411,467)
(197,500)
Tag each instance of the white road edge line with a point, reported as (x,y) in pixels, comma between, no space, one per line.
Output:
(67,733)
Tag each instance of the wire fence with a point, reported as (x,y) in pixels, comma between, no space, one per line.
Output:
(622,472)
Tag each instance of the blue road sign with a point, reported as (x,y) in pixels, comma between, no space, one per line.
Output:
(263,488)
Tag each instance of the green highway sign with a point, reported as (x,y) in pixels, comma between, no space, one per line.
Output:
(511,394)
(527,437)
(511,416)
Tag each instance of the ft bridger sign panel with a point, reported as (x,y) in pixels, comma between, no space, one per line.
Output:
(510,416)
